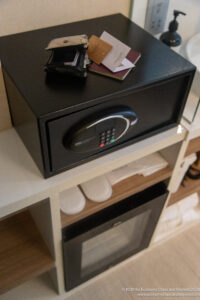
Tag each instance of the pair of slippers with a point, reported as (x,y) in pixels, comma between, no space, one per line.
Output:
(73,200)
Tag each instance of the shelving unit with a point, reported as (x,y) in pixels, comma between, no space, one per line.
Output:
(30,189)
(122,190)
(193,146)
(190,186)
(23,253)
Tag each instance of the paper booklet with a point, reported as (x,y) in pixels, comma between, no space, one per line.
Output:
(132,57)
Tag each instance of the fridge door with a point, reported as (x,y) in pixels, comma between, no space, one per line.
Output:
(98,242)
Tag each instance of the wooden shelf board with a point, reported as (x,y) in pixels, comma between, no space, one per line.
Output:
(190,186)
(122,190)
(23,253)
(193,146)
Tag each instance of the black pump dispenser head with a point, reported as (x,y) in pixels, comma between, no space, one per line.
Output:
(171,37)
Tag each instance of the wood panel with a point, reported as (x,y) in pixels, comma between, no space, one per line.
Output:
(193,146)
(122,190)
(190,186)
(23,253)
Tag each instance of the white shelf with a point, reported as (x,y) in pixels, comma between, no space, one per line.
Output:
(21,183)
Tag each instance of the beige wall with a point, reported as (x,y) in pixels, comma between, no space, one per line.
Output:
(23,15)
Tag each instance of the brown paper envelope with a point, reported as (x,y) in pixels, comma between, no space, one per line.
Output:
(97,49)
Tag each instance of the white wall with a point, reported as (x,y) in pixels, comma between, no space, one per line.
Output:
(23,15)
(188,25)
(139,11)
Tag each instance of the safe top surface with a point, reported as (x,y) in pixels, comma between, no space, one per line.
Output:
(23,57)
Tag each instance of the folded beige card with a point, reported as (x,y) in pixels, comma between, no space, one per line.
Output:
(98,49)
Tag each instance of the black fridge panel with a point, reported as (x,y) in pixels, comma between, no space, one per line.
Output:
(100,241)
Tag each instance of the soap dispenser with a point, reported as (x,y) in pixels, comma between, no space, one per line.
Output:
(171,37)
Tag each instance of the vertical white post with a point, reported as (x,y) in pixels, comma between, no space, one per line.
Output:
(58,275)
(138,12)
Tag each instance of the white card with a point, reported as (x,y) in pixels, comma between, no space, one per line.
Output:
(126,64)
(117,54)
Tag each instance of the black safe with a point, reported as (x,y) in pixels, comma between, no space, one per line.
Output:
(66,121)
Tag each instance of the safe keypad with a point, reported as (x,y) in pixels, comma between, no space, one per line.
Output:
(106,137)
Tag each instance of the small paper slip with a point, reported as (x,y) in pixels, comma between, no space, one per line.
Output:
(98,49)
(126,64)
(117,54)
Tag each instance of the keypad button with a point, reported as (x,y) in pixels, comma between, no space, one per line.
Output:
(112,140)
(107,137)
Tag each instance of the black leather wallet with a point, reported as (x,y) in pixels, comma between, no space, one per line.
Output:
(68,55)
